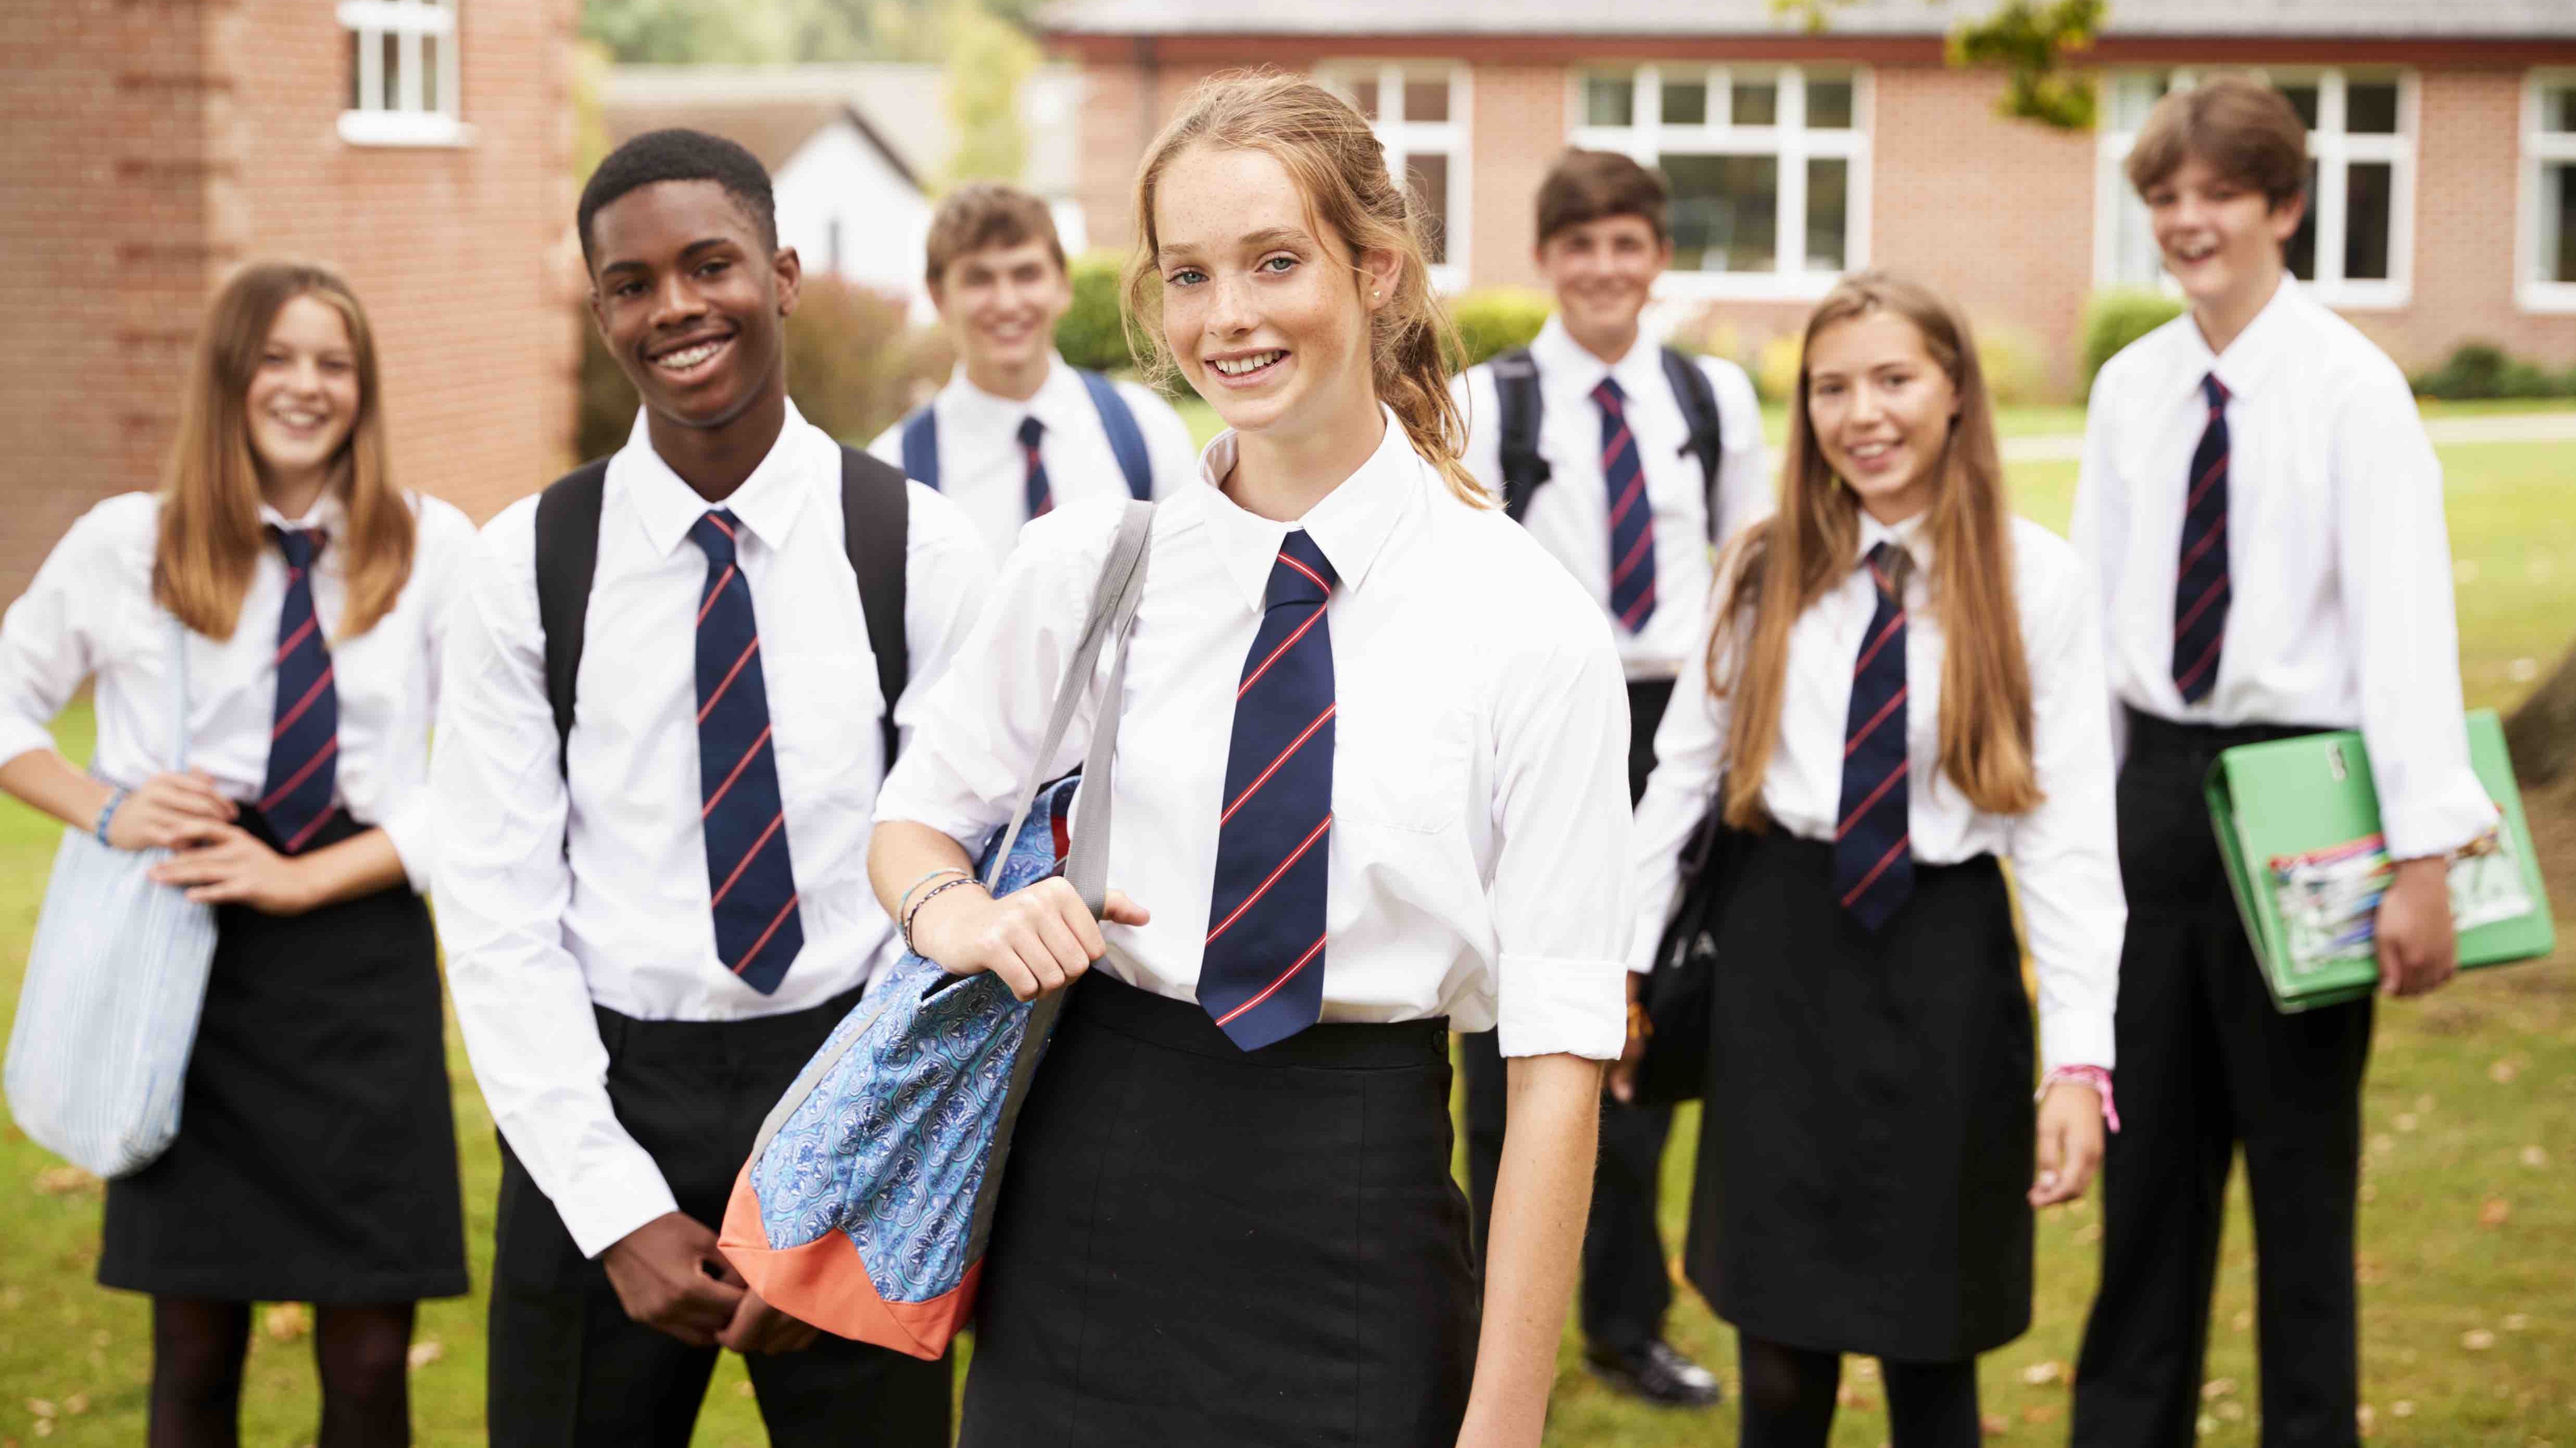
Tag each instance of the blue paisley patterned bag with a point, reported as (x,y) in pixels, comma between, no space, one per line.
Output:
(869,1195)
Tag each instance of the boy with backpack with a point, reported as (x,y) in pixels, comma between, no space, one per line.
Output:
(1630,462)
(656,775)
(1018,432)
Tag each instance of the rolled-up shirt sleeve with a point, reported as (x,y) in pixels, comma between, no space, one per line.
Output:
(2393,560)
(502,881)
(2065,852)
(48,640)
(1560,882)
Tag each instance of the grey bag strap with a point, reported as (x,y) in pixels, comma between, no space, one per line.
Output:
(1113,611)
(179,672)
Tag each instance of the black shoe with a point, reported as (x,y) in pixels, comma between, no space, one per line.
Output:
(1652,1370)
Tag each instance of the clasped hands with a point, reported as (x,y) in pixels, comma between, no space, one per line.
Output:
(215,860)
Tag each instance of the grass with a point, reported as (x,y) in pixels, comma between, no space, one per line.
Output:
(2468,1220)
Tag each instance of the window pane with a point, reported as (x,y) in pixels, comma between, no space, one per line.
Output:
(2366,213)
(2558,223)
(2302,251)
(1430,183)
(1828,203)
(2370,108)
(1725,212)
(2558,110)
(1609,100)
(2135,260)
(1757,103)
(1426,100)
(1829,105)
(1685,103)
(2303,99)
(430,46)
(392,71)
(1364,98)
(357,97)
(2132,96)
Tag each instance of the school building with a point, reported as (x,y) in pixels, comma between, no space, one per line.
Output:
(421,146)
(2443,207)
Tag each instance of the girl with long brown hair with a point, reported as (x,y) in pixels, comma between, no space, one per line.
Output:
(287,596)
(1372,788)
(1901,688)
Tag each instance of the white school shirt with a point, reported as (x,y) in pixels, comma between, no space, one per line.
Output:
(982,467)
(1480,808)
(1570,516)
(2064,854)
(90,614)
(2338,560)
(551,900)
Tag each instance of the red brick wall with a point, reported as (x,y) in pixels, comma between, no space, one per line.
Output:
(153,144)
(1515,131)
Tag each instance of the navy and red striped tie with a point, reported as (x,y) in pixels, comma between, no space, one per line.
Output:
(2200,581)
(304,744)
(1261,977)
(1632,519)
(750,879)
(1873,837)
(1041,496)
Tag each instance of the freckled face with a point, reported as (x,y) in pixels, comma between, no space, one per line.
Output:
(1268,320)
(303,396)
(1881,409)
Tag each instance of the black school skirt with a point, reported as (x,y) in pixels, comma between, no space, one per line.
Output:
(1866,1146)
(316,1155)
(1198,1244)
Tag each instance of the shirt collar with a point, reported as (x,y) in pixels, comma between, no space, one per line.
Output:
(1913,536)
(768,502)
(972,408)
(2256,350)
(329,514)
(1559,356)
(1350,523)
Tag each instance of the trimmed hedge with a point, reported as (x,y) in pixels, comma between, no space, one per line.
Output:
(2478,370)
(2115,318)
(1493,320)
(1090,335)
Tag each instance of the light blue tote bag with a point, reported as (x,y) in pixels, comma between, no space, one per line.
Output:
(114,984)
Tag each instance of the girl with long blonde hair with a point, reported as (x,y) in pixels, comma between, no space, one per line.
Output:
(1901,689)
(1371,787)
(286,596)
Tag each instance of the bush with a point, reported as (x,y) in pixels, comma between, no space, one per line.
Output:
(1493,320)
(2482,370)
(1090,335)
(2113,319)
(853,366)
(1775,366)
(2010,358)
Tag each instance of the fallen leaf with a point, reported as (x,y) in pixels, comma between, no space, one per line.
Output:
(1865,1369)
(44,1427)
(2502,1072)
(64,1181)
(286,1321)
(2382,1144)
(742,1390)
(2402,1408)
(2207,1424)
(424,1352)
(2243,1321)
(2216,1388)
(2493,1214)
(2041,1413)
(2043,1372)
(75,1405)
(2405,1121)
(2477,1339)
(2534,1156)
(2232,1410)
(1854,1399)
(2516,1321)
(41,1408)
(2089,1233)
(2364,1419)
(1996,1425)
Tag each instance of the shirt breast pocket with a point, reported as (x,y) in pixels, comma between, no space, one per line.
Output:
(1402,768)
(823,715)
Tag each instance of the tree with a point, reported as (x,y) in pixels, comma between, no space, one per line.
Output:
(2035,42)
(988,58)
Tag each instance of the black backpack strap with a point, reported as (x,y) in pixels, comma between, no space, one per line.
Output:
(567,555)
(1516,396)
(1698,402)
(876,512)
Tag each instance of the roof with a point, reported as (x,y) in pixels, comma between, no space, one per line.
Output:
(2335,19)
(902,110)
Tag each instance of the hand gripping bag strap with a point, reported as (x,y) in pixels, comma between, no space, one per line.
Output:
(1126,441)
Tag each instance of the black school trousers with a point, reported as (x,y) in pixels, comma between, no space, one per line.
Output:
(569,1369)
(1626,1286)
(2206,1065)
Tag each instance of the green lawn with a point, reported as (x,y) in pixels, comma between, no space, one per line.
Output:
(2468,1223)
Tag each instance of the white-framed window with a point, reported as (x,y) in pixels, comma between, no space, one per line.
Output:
(2356,245)
(2547,274)
(1768,164)
(1419,111)
(403,84)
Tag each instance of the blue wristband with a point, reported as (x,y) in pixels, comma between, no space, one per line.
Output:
(107,812)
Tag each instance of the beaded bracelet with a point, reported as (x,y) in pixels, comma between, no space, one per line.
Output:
(107,812)
(905,903)
(943,887)
(2093,1076)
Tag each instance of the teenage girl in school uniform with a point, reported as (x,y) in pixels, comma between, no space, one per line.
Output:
(1370,786)
(1901,688)
(316,1158)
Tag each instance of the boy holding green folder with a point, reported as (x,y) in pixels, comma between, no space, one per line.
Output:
(2264,517)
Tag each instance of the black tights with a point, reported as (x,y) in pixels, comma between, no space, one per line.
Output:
(1788,1398)
(362,1353)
